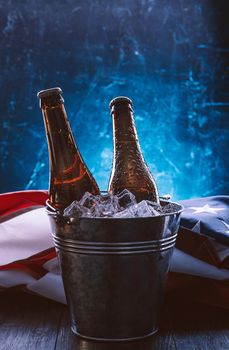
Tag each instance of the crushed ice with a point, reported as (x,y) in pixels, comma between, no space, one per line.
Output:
(123,205)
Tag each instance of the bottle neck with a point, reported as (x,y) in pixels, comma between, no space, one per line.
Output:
(64,155)
(124,126)
(55,119)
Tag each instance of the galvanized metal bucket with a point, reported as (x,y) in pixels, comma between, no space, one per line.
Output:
(114,272)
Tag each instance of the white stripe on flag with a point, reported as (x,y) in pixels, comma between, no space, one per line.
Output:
(12,278)
(24,235)
(50,286)
(187,264)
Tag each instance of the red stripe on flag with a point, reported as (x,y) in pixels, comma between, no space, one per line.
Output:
(33,264)
(14,201)
(200,247)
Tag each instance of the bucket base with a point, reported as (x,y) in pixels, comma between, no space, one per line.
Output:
(113,340)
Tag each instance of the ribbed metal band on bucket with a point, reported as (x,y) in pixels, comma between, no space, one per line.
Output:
(86,247)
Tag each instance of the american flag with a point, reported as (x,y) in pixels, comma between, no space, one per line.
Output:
(200,263)
(205,221)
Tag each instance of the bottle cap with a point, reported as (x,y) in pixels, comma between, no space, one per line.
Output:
(120,100)
(49,92)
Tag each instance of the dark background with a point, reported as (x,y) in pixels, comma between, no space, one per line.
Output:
(169,57)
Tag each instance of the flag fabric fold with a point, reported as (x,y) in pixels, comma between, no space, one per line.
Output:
(200,262)
(209,216)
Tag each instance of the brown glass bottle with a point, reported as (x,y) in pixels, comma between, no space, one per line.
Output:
(129,168)
(69,176)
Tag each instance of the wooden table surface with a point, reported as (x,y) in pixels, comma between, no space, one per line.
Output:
(29,322)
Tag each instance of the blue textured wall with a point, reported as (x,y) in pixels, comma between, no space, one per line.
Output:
(168,56)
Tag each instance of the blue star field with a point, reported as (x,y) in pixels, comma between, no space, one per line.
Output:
(169,57)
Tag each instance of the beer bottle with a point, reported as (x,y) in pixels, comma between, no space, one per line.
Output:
(129,168)
(69,175)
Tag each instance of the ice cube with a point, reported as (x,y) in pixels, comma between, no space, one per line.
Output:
(110,202)
(168,208)
(126,213)
(143,209)
(88,200)
(123,205)
(126,198)
(100,210)
(76,210)
(154,212)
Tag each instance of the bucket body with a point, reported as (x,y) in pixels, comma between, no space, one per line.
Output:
(114,272)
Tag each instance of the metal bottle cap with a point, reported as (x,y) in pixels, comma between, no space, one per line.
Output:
(120,99)
(49,92)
